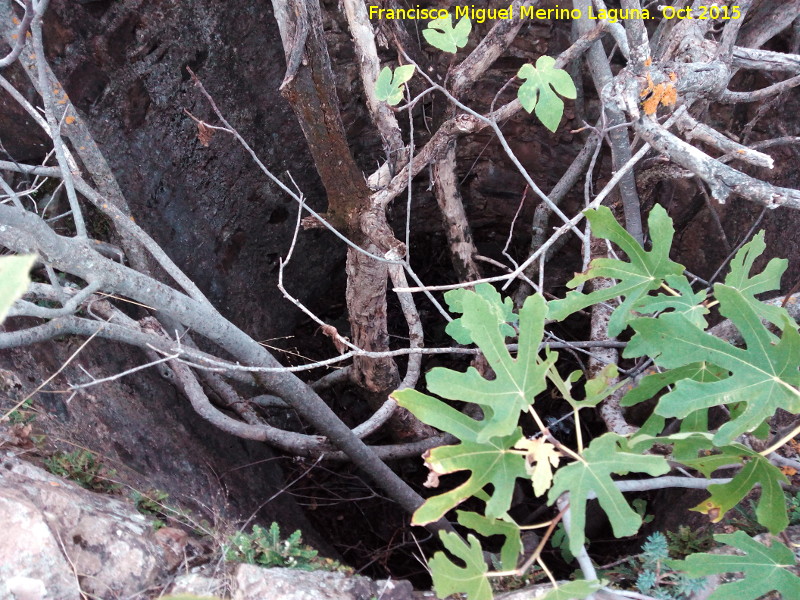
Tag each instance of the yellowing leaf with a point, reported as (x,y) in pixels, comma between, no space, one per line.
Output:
(757,470)
(540,456)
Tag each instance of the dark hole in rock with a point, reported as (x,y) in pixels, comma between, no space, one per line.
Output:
(278,215)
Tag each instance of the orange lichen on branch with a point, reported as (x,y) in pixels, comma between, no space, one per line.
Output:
(654,94)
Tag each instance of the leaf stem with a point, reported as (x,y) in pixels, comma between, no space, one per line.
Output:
(578,434)
(535,526)
(669,289)
(794,432)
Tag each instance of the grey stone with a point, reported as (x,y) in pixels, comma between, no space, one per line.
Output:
(256,583)
(66,536)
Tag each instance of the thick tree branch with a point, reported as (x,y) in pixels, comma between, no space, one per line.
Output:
(620,144)
(369,67)
(722,179)
(25,232)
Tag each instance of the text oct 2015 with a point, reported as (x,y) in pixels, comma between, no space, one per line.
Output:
(612,15)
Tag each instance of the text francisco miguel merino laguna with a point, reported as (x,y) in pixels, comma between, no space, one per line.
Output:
(479,15)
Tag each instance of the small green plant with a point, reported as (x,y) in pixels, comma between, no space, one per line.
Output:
(153,503)
(687,540)
(656,579)
(640,506)
(441,33)
(539,92)
(389,87)
(266,548)
(23,414)
(84,468)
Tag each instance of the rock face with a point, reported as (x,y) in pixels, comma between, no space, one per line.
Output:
(124,66)
(253,582)
(249,582)
(142,428)
(61,539)
(62,542)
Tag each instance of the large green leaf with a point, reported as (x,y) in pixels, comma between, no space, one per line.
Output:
(442,35)
(645,271)
(14,280)
(450,578)
(536,93)
(491,463)
(503,311)
(687,302)
(757,471)
(768,280)
(650,385)
(512,547)
(486,445)
(763,377)
(604,456)
(765,568)
(517,381)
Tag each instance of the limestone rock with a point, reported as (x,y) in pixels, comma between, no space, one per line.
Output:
(196,584)
(255,583)
(30,557)
(65,536)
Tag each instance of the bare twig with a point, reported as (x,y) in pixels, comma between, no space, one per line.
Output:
(47,91)
(19,36)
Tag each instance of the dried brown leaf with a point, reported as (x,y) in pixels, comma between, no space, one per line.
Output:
(204,133)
